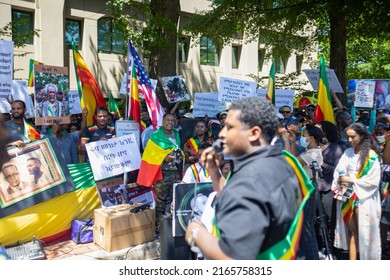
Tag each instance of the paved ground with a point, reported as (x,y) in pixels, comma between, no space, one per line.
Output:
(69,250)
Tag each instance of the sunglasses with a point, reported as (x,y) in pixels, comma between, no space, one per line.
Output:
(310,110)
(285,112)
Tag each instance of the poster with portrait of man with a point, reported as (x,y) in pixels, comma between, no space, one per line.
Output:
(33,175)
(51,88)
(175,89)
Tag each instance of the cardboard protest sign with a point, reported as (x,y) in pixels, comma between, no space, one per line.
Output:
(175,89)
(283,97)
(51,84)
(113,156)
(233,89)
(314,78)
(206,103)
(6,68)
(364,94)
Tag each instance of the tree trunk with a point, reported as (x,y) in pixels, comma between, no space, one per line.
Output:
(162,61)
(338,47)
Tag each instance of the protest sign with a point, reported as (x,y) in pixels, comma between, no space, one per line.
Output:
(51,85)
(364,94)
(175,89)
(74,102)
(382,92)
(123,88)
(283,97)
(126,127)
(19,92)
(206,103)
(113,156)
(233,89)
(314,78)
(6,68)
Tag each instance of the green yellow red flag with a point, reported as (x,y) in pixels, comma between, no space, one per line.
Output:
(324,108)
(90,94)
(31,72)
(271,85)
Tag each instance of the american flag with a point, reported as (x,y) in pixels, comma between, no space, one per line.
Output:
(156,111)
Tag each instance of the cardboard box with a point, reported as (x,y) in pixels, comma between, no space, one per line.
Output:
(117,228)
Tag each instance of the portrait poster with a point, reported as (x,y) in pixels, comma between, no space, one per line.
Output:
(175,89)
(51,94)
(188,202)
(34,174)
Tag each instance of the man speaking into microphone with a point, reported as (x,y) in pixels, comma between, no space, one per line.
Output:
(256,206)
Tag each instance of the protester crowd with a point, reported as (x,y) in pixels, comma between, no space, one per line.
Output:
(353,154)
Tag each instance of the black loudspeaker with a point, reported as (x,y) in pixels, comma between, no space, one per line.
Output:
(172,248)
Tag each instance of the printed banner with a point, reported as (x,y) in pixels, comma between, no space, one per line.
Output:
(233,89)
(206,103)
(113,156)
(175,89)
(6,68)
(34,174)
(314,78)
(51,85)
(283,97)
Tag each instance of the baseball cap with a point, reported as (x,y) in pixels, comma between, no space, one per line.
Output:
(189,115)
(292,121)
(221,114)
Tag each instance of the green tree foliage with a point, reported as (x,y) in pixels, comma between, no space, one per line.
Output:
(288,25)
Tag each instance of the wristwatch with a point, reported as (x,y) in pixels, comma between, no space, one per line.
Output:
(193,236)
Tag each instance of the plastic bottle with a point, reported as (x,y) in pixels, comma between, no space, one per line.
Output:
(342,173)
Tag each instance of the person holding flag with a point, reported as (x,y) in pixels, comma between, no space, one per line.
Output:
(19,130)
(324,108)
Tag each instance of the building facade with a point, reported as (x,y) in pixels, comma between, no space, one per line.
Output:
(88,24)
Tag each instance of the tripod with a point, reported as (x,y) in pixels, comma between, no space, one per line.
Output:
(323,230)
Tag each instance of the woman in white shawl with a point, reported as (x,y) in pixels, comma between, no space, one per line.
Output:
(357,225)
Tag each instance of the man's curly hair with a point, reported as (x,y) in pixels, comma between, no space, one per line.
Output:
(255,111)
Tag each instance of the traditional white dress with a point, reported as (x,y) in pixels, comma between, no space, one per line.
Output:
(367,191)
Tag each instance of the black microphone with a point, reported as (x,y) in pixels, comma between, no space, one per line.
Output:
(218,146)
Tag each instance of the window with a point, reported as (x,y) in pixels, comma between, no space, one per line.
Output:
(184,47)
(280,65)
(299,62)
(73,33)
(209,52)
(260,59)
(236,53)
(23,26)
(110,40)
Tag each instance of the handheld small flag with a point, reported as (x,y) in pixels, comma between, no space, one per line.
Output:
(271,85)
(112,106)
(324,108)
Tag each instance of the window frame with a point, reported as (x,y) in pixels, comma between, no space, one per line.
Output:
(80,34)
(238,49)
(209,53)
(183,48)
(281,61)
(112,33)
(28,41)
(260,59)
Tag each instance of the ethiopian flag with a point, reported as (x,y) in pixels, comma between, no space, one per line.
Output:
(112,106)
(324,109)
(30,132)
(158,147)
(135,108)
(89,92)
(270,95)
(31,72)
(348,206)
